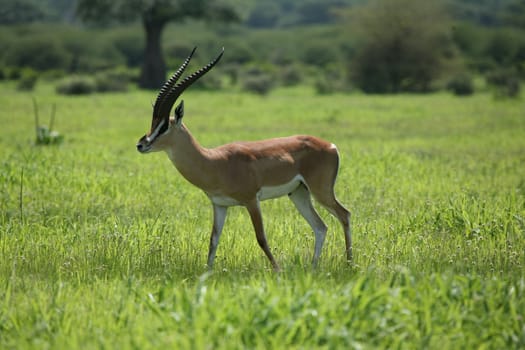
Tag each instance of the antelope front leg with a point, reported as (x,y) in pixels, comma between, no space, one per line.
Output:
(219,215)
(255,214)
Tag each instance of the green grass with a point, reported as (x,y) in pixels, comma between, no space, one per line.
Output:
(101,247)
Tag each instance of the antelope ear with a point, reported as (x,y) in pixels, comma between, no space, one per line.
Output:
(179,113)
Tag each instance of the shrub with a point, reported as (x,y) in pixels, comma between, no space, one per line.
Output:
(461,85)
(232,72)
(402,46)
(259,79)
(76,85)
(27,80)
(108,81)
(115,80)
(505,82)
(264,15)
(131,46)
(53,74)
(90,51)
(124,73)
(212,82)
(330,81)
(239,52)
(105,82)
(39,52)
(291,75)
(260,83)
(469,38)
(176,54)
(320,54)
(502,47)
(13,73)
(324,86)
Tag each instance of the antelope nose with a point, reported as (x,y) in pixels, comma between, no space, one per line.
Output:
(140,147)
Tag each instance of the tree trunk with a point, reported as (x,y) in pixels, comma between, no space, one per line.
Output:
(153,73)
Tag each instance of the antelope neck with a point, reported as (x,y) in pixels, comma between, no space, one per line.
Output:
(189,157)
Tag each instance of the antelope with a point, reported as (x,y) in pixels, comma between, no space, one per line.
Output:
(246,173)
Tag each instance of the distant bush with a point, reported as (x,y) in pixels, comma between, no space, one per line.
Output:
(232,72)
(239,52)
(260,84)
(403,46)
(40,53)
(259,79)
(13,73)
(176,53)
(116,79)
(502,47)
(76,85)
(264,15)
(124,73)
(324,86)
(505,82)
(489,49)
(211,82)
(291,75)
(283,56)
(53,74)
(331,80)
(131,45)
(461,85)
(105,82)
(320,55)
(470,39)
(27,80)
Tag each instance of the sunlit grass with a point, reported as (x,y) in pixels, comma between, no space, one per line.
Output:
(103,247)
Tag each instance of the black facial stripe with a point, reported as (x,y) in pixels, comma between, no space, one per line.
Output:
(159,130)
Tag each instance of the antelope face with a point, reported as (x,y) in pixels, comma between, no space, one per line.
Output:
(148,142)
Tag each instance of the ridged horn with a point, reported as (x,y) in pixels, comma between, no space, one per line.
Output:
(175,91)
(168,85)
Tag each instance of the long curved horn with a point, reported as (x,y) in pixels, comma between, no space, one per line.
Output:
(168,85)
(171,96)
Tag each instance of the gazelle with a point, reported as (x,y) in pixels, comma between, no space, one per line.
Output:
(245,173)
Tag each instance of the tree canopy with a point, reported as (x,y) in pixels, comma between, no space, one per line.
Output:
(20,11)
(154,15)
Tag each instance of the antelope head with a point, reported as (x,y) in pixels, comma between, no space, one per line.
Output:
(161,124)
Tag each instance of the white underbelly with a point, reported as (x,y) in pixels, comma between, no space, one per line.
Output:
(270,192)
(266,192)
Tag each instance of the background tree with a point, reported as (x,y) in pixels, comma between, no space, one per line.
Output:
(514,14)
(154,14)
(402,45)
(21,11)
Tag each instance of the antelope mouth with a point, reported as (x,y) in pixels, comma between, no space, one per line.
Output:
(143,146)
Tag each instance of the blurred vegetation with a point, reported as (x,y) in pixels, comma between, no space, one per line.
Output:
(338,45)
(154,16)
(461,84)
(403,45)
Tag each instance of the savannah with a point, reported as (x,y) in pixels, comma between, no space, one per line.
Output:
(103,247)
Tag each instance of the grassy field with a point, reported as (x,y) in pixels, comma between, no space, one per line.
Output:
(101,247)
